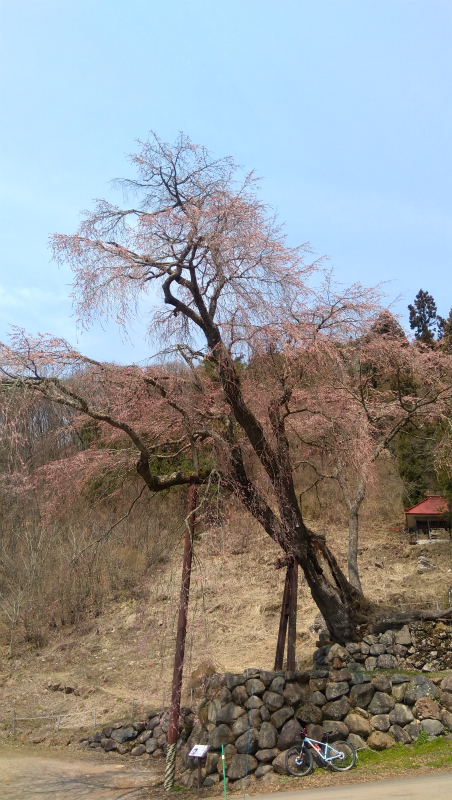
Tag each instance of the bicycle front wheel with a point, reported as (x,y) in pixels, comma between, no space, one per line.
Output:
(345,758)
(299,762)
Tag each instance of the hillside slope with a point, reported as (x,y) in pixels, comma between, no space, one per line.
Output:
(126,652)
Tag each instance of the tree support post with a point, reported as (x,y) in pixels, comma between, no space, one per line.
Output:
(173,730)
(288,619)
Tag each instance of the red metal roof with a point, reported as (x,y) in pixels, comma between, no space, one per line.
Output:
(432,504)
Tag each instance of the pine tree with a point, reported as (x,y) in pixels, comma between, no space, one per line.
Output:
(423,317)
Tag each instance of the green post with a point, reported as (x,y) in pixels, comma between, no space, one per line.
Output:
(224,772)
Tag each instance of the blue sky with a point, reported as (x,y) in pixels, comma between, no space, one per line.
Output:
(343,106)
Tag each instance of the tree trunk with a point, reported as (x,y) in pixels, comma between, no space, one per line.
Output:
(353,574)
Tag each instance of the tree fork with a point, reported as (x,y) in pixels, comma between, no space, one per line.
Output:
(173,730)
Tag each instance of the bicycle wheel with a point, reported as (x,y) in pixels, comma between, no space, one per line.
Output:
(299,762)
(346,759)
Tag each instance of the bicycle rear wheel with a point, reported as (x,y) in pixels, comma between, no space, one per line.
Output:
(299,762)
(346,756)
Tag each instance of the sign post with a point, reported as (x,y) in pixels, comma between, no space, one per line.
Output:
(199,751)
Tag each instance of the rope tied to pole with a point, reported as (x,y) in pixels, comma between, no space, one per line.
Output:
(170,766)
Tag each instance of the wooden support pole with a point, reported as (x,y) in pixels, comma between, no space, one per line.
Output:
(182,620)
(292,618)
(281,643)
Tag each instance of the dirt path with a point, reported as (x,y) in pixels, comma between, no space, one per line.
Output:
(25,775)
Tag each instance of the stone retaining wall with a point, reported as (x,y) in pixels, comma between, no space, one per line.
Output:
(369,710)
(425,646)
(351,692)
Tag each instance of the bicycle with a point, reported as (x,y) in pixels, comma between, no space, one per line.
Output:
(299,760)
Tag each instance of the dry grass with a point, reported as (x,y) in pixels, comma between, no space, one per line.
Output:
(121,644)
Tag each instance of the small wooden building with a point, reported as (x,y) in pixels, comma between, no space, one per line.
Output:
(428,514)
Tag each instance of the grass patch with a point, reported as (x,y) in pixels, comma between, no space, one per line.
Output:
(437,753)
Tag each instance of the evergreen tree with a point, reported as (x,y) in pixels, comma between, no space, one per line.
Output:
(423,317)
(445,332)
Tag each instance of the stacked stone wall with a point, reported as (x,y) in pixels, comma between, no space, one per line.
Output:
(425,646)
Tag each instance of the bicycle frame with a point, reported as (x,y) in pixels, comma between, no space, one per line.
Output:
(318,746)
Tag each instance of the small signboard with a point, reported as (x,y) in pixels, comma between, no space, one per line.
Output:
(199,751)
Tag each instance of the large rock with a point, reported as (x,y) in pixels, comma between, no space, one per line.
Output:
(267,736)
(381,683)
(124,735)
(446,700)
(370,663)
(359,678)
(229,714)
(420,686)
(403,636)
(400,715)
(399,734)
(221,735)
(340,675)
(380,722)
(289,734)
(387,638)
(337,709)
(381,703)
(110,744)
(277,685)
(446,719)
(293,693)
(237,767)
(267,755)
(240,725)
(413,729)
(280,717)
(253,702)
(317,698)
(233,680)
(335,690)
(380,741)
(279,764)
(357,742)
(249,738)
(377,649)
(315,732)
(273,701)
(398,692)
(387,661)
(139,750)
(255,685)
(337,730)
(266,677)
(361,694)
(151,746)
(229,752)
(212,759)
(357,724)
(432,726)
(317,684)
(239,695)
(264,713)
(309,713)
(446,684)
(425,708)
(264,768)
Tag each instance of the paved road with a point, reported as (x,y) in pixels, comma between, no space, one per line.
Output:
(61,777)
(425,787)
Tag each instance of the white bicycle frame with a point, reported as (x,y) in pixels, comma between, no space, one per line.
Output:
(316,746)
